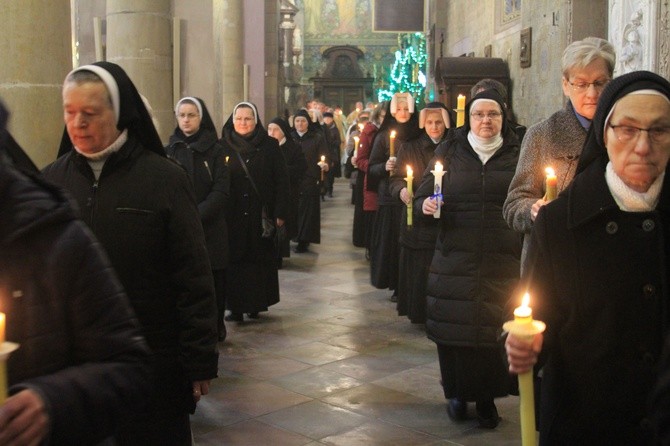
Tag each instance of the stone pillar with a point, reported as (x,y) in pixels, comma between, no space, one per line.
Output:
(36,55)
(139,39)
(228,49)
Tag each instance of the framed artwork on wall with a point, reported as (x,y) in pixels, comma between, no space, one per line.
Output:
(507,14)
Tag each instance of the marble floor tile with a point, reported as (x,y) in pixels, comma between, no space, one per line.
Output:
(333,364)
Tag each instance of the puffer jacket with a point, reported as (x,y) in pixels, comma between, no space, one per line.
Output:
(476,262)
(80,343)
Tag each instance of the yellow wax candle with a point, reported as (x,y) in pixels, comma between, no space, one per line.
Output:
(392,144)
(524,315)
(551,184)
(460,111)
(3,362)
(2,327)
(409,179)
(356,142)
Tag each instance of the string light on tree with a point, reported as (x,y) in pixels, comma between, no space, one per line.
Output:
(408,71)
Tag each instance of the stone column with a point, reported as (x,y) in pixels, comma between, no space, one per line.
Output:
(229,50)
(139,39)
(36,55)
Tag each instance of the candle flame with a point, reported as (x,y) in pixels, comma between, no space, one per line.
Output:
(360,127)
(323,158)
(409,171)
(438,166)
(525,300)
(393,134)
(550,171)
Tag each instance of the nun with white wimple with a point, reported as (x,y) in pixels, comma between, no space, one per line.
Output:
(476,259)
(258,177)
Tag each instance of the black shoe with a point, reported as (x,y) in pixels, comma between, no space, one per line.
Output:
(394,297)
(234,317)
(487,414)
(457,409)
(253,315)
(302,247)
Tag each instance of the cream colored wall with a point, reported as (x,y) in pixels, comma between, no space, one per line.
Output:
(536,90)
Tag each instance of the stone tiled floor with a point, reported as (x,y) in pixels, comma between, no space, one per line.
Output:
(333,364)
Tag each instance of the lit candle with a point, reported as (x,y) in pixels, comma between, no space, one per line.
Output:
(323,161)
(3,362)
(550,185)
(392,144)
(437,188)
(460,111)
(227,158)
(523,326)
(524,314)
(356,142)
(409,179)
(360,127)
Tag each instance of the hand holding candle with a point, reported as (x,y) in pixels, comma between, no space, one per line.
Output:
(460,111)
(409,179)
(438,172)
(524,327)
(550,185)
(5,349)
(321,165)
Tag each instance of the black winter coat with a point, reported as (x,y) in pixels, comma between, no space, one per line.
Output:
(266,165)
(296,165)
(476,262)
(599,280)
(202,157)
(417,154)
(143,211)
(80,343)
(313,146)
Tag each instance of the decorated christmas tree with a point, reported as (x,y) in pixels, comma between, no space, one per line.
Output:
(408,71)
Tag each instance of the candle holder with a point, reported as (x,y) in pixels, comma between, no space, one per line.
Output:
(526,328)
(6,348)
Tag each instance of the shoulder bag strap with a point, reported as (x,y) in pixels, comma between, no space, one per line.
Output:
(246,170)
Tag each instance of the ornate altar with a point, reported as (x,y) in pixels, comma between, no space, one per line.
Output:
(343,82)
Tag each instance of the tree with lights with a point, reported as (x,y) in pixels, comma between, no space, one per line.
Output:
(408,71)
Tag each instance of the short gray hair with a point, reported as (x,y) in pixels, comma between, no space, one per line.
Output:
(580,53)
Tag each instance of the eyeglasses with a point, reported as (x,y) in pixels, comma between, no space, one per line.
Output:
(628,133)
(187,115)
(478,116)
(582,87)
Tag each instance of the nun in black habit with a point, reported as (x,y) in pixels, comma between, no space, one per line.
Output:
(194,145)
(313,144)
(417,242)
(296,165)
(258,178)
(384,244)
(142,209)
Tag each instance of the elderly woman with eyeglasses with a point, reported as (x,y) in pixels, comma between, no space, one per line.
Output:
(475,265)
(598,275)
(557,141)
